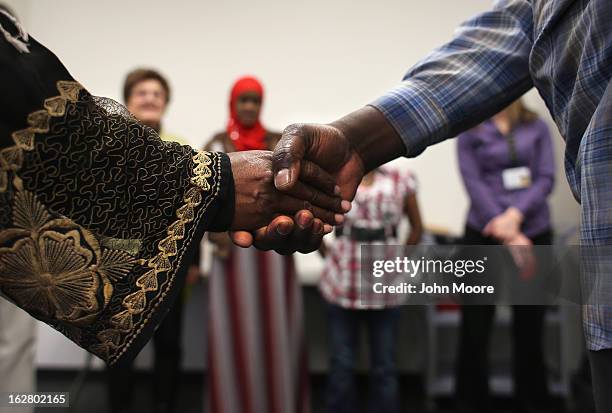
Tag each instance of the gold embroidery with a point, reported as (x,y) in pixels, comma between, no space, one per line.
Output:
(202,171)
(131,246)
(122,321)
(3,181)
(136,302)
(177,230)
(29,213)
(148,282)
(115,265)
(56,106)
(24,139)
(69,89)
(54,268)
(39,121)
(12,157)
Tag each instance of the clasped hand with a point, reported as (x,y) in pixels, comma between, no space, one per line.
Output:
(320,165)
(287,221)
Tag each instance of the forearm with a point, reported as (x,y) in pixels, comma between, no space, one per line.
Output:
(483,202)
(483,69)
(535,196)
(486,207)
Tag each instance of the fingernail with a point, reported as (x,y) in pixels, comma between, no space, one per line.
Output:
(282,178)
(284,228)
(327,228)
(339,218)
(336,190)
(304,220)
(346,206)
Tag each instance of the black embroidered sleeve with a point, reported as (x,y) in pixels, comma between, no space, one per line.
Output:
(99,217)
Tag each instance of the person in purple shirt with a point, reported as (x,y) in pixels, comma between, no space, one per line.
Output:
(508,169)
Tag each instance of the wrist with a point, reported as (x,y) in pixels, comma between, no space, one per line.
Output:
(518,239)
(515,214)
(371,137)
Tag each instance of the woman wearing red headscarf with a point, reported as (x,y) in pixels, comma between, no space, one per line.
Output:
(257,358)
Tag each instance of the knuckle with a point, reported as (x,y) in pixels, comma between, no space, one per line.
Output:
(267,176)
(310,170)
(261,200)
(282,153)
(293,129)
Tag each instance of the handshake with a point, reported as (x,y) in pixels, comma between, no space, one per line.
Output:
(288,199)
(291,198)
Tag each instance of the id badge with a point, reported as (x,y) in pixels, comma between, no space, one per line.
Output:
(516,178)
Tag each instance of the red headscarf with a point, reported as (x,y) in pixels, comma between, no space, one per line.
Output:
(245,138)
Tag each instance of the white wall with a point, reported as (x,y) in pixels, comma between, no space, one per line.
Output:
(318,60)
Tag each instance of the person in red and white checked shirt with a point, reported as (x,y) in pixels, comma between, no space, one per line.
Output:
(383,198)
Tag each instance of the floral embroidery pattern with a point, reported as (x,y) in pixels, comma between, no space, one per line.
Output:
(54,268)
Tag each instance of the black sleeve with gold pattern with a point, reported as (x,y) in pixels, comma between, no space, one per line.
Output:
(99,217)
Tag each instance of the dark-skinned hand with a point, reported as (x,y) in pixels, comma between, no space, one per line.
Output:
(285,235)
(346,149)
(258,202)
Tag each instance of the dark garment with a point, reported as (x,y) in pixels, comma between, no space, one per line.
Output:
(98,217)
(601,370)
(167,368)
(472,373)
(383,395)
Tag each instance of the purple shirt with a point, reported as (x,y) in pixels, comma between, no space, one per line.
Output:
(484,153)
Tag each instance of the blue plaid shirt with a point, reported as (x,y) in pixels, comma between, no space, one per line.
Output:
(564,49)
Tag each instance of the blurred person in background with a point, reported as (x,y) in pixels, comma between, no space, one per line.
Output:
(17,344)
(508,169)
(256,356)
(146,94)
(383,198)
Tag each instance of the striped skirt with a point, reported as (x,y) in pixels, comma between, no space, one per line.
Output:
(257,357)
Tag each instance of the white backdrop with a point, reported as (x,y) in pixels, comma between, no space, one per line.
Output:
(318,60)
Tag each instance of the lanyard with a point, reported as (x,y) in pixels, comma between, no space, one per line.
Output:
(512,149)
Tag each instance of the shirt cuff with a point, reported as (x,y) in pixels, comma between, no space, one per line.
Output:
(524,205)
(414,114)
(224,204)
(492,213)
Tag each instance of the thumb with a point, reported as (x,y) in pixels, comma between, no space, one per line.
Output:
(288,155)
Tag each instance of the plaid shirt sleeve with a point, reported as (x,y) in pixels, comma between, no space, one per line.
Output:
(483,69)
